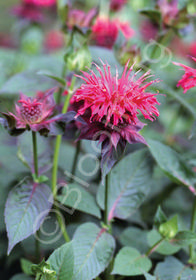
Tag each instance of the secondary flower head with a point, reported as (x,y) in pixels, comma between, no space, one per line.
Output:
(34,113)
(105,31)
(116,5)
(28,12)
(189,78)
(42,3)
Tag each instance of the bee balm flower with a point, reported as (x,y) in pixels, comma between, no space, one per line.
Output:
(189,78)
(110,106)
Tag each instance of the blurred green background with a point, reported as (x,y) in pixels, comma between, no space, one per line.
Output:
(6,19)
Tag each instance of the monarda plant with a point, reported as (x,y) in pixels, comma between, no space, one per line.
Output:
(98,159)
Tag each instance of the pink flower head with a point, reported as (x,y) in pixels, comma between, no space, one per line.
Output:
(105,31)
(28,12)
(41,3)
(116,5)
(80,18)
(54,40)
(34,113)
(192,49)
(189,78)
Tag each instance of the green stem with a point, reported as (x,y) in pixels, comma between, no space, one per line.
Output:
(58,143)
(55,166)
(35,158)
(154,247)
(35,162)
(37,247)
(73,171)
(106,201)
(61,223)
(192,228)
(107,223)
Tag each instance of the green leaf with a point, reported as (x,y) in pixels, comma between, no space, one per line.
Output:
(184,238)
(129,184)
(27,82)
(135,237)
(129,262)
(78,198)
(160,217)
(26,208)
(173,269)
(149,276)
(58,79)
(62,261)
(93,250)
(21,276)
(26,266)
(169,228)
(165,247)
(172,164)
(153,14)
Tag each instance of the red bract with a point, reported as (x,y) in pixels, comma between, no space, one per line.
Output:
(105,31)
(115,100)
(169,10)
(189,78)
(43,3)
(34,113)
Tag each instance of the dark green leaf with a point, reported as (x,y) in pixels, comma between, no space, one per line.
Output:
(58,79)
(26,208)
(135,237)
(154,15)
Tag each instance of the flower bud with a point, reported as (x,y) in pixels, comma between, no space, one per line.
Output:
(78,60)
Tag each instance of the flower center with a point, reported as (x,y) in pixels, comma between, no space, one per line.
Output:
(31,110)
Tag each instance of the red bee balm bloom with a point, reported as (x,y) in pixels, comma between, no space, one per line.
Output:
(115,100)
(34,112)
(189,78)
(105,31)
(110,105)
(43,3)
